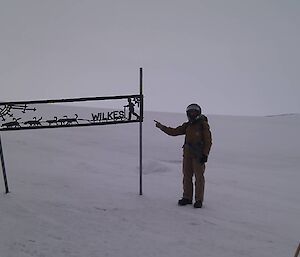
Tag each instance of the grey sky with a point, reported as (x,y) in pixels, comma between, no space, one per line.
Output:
(237,57)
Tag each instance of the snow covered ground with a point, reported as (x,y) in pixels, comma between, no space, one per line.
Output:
(75,192)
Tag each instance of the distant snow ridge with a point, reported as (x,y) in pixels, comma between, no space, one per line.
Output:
(283,114)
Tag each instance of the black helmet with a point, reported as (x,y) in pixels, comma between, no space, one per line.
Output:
(193,112)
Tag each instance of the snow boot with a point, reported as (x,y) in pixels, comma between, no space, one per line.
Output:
(184,201)
(198,204)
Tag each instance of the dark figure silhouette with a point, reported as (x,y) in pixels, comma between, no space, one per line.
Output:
(131,110)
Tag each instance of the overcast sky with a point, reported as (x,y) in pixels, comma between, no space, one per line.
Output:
(236,57)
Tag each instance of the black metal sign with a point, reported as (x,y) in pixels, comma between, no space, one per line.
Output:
(45,114)
(41,114)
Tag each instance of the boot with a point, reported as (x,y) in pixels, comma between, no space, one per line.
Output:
(184,201)
(198,204)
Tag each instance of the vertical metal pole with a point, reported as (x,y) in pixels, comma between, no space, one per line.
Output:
(3,168)
(141,130)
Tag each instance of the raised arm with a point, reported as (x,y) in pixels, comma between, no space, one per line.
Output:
(180,130)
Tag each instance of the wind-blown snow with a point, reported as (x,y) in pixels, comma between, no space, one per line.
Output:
(75,192)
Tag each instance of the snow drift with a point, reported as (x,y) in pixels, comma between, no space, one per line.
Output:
(74,192)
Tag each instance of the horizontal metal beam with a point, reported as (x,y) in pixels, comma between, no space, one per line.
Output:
(70,125)
(69,100)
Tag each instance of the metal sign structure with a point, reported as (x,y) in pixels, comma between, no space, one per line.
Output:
(31,114)
(46,114)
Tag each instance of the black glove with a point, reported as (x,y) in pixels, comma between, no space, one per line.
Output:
(203,159)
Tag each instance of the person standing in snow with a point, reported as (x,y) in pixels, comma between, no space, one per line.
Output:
(197,144)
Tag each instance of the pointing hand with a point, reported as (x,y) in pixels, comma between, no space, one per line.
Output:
(158,124)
